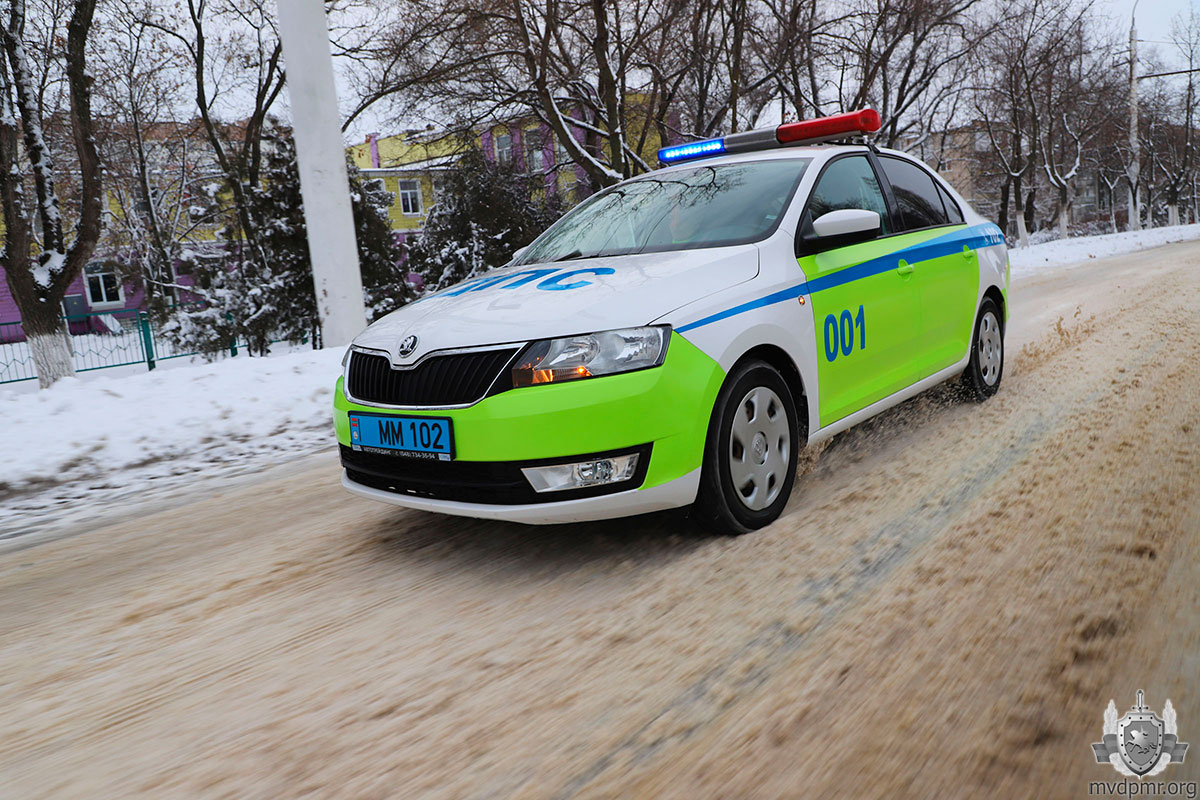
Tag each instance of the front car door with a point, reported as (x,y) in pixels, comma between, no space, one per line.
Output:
(865,309)
(946,273)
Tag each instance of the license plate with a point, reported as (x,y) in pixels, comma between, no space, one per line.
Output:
(415,437)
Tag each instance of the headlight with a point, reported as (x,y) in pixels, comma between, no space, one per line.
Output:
(590,355)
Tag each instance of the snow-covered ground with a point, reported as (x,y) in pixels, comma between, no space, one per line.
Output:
(1082,249)
(93,350)
(113,432)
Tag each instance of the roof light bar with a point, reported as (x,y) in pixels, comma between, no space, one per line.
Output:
(809,131)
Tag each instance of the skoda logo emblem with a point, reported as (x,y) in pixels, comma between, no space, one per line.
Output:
(408,345)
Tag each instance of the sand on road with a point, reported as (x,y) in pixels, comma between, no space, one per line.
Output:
(953,596)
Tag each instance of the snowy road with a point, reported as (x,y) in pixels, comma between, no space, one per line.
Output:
(946,608)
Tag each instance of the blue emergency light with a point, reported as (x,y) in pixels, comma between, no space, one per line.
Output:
(709,147)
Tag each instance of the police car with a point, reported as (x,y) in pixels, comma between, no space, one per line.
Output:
(677,339)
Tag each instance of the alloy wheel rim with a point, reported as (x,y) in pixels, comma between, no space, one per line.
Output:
(991,349)
(760,446)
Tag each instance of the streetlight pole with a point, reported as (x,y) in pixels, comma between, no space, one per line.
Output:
(1135,152)
(324,184)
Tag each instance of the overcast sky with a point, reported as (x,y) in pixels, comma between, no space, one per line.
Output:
(1153,17)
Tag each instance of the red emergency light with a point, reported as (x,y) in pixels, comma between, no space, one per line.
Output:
(825,128)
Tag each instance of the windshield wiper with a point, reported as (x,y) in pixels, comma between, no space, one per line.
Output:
(574,254)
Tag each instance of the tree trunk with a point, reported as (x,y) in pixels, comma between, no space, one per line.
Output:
(1030,210)
(1134,222)
(738,14)
(49,344)
(39,273)
(1004,190)
(1064,213)
(1022,228)
(1172,214)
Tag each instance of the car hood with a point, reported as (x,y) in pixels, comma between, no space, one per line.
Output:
(539,301)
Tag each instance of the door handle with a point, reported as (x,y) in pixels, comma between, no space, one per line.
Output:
(904,268)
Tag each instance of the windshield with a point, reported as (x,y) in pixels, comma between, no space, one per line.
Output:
(707,206)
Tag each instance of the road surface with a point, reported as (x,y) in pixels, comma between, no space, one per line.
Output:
(953,596)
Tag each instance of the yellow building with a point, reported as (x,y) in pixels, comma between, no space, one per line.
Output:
(409,164)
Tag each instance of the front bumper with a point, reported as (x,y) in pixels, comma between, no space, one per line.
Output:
(662,411)
(490,482)
(672,494)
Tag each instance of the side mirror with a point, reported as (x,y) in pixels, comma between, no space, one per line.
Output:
(843,227)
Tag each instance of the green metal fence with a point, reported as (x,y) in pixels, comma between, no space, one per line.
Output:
(99,340)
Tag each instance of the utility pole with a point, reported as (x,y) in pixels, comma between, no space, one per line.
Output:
(324,184)
(1135,152)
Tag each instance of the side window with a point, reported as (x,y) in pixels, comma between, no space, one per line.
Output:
(848,183)
(915,193)
(952,209)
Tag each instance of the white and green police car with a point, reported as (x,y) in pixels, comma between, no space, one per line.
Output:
(676,339)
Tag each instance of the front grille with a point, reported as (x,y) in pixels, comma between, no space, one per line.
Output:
(450,380)
(489,482)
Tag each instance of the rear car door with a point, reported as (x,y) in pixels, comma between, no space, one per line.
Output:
(945,275)
(865,308)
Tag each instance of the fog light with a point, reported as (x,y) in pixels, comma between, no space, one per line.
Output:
(594,472)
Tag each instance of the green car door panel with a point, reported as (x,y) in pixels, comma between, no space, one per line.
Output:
(888,313)
(866,329)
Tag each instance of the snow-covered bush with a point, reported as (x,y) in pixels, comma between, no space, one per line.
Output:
(264,292)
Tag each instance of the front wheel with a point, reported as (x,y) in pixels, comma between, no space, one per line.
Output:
(982,376)
(750,454)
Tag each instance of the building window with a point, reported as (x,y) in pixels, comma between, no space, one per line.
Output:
(410,197)
(503,149)
(533,151)
(561,156)
(103,287)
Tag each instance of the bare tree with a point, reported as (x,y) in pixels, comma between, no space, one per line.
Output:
(246,62)
(1017,94)
(900,57)
(1178,159)
(41,257)
(1071,104)
(161,179)
(603,75)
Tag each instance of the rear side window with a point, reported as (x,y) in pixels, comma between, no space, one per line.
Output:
(848,182)
(915,193)
(952,209)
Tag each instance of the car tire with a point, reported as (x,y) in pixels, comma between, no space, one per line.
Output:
(981,378)
(750,453)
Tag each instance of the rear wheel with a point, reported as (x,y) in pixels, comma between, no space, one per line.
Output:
(982,376)
(750,453)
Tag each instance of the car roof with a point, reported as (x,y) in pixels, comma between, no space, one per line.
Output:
(785,153)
